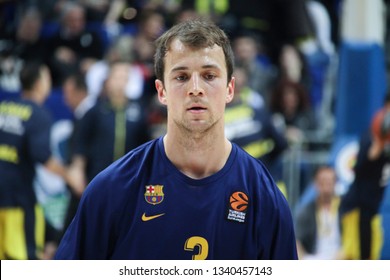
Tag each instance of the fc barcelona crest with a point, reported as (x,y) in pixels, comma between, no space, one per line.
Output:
(154,194)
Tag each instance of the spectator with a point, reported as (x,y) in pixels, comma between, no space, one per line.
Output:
(73,47)
(122,49)
(317,224)
(151,24)
(17,46)
(289,101)
(26,42)
(261,74)
(292,66)
(106,11)
(105,17)
(112,127)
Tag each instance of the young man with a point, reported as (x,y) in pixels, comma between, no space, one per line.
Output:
(191,194)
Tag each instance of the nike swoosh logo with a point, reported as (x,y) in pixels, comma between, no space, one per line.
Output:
(148,218)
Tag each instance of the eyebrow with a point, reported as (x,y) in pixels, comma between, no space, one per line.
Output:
(207,66)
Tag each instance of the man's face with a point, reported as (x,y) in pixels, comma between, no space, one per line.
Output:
(326,182)
(75,21)
(117,79)
(195,87)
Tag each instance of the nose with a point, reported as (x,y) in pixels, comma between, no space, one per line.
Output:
(196,87)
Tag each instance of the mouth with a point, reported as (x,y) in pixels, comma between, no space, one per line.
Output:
(196,106)
(197,109)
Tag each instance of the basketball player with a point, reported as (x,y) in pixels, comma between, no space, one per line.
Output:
(190,194)
(359,209)
(24,142)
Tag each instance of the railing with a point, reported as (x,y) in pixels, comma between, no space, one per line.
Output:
(300,162)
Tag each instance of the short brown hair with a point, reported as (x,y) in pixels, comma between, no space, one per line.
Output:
(195,34)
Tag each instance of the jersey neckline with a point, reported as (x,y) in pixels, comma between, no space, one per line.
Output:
(197,182)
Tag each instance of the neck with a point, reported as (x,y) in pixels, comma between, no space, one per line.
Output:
(118,101)
(325,201)
(197,156)
(33,96)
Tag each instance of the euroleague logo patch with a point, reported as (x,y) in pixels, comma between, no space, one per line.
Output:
(238,204)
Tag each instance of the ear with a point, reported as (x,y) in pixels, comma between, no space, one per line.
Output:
(160,91)
(230,90)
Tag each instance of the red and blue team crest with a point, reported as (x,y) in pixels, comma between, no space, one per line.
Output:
(154,194)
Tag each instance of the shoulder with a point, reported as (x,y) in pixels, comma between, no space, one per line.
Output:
(251,164)
(95,110)
(260,180)
(30,111)
(254,169)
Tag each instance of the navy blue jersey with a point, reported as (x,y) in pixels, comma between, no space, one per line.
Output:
(24,141)
(143,207)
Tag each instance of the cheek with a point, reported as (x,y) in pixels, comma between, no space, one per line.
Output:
(174,104)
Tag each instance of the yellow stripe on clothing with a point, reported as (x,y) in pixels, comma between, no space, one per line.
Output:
(377,237)
(13,235)
(39,230)
(13,241)
(350,235)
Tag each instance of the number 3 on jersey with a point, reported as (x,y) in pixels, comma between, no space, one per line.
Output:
(200,243)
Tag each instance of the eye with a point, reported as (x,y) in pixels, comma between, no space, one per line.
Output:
(181,78)
(209,76)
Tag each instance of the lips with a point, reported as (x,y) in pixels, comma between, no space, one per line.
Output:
(196,108)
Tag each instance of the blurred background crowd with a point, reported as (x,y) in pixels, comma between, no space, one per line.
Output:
(310,77)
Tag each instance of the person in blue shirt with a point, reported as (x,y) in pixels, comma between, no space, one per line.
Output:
(190,194)
(25,127)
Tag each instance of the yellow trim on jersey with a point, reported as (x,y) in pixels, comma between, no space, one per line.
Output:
(9,154)
(14,109)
